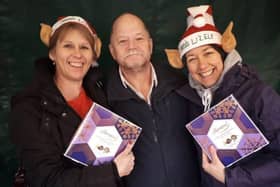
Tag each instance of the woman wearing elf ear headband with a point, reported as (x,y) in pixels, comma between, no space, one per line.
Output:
(216,71)
(47,113)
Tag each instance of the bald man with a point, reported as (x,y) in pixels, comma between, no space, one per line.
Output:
(144,93)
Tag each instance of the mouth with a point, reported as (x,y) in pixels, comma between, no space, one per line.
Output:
(206,73)
(76,64)
(133,52)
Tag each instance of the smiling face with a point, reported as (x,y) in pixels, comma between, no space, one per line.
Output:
(73,56)
(205,65)
(131,45)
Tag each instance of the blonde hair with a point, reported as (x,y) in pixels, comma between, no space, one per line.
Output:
(64,29)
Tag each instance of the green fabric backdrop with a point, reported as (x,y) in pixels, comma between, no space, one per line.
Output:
(256,27)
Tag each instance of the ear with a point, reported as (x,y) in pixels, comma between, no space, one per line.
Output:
(151,45)
(45,33)
(112,51)
(98,45)
(51,55)
(174,59)
(228,39)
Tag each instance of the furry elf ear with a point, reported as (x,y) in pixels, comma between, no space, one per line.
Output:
(98,45)
(174,59)
(45,33)
(228,39)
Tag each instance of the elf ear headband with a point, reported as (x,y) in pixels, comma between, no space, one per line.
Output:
(47,31)
(228,43)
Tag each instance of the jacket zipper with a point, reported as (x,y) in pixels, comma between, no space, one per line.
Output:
(155,137)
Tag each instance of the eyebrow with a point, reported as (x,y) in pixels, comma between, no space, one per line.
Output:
(208,47)
(81,43)
(135,34)
(140,33)
(203,50)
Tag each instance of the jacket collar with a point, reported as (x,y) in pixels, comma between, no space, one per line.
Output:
(233,80)
(189,93)
(154,83)
(168,80)
(43,84)
(231,59)
(206,94)
(126,83)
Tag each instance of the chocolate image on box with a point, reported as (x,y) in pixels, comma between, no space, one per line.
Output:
(101,136)
(228,127)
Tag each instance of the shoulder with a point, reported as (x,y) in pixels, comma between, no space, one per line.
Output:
(42,80)
(169,76)
(94,76)
(29,95)
(94,85)
(113,81)
(95,73)
(253,80)
(24,115)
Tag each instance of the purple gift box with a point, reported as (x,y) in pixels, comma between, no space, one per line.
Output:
(228,127)
(101,136)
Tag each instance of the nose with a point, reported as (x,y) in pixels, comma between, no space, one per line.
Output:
(202,63)
(77,53)
(131,44)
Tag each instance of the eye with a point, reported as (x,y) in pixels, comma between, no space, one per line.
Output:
(85,47)
(122,41)
(207,53)
(68,45)
(139,38)
(191,60)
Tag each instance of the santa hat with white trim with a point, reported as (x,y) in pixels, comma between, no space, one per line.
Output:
(200,31)
(74,19)
(47,31)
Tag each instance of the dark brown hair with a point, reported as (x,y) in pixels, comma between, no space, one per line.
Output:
(219,49)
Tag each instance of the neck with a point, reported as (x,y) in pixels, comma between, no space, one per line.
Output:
(140,79)
(69,89)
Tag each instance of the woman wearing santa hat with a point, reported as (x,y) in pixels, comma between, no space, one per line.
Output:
(215,71)
(47,113)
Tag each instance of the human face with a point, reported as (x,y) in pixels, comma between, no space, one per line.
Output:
(72,55)
(131,45)
(205,65)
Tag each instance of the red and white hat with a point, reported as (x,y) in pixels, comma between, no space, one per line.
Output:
(200,31)
(74,19)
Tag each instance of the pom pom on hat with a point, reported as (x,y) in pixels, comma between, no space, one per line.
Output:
(201,29)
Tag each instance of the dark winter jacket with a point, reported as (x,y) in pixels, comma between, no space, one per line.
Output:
(262,104)
(42,125)
(165,154)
